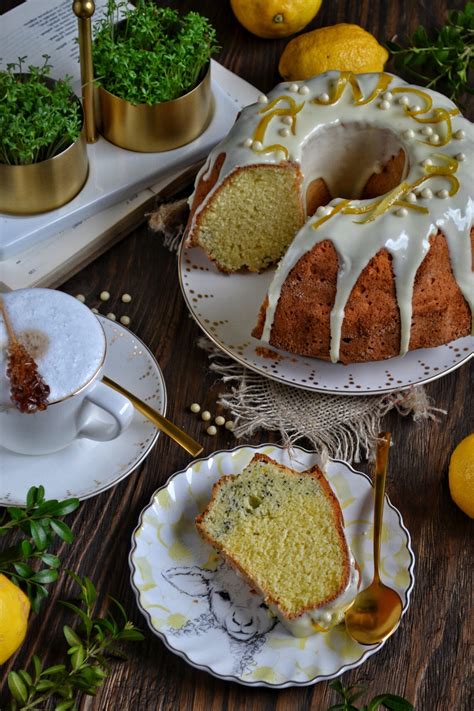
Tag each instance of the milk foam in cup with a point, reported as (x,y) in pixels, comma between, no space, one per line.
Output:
(69,347)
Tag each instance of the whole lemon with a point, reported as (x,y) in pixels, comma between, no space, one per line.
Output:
(461,475)
(14,611)
(274,18)
(348,48)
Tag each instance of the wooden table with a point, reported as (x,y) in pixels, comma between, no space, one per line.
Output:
(426,660)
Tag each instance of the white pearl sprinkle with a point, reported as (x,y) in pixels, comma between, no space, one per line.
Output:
(384,105)
(81,298)
(287,119)
(211,430)
(262,99)
(126,298)
(111,316)
(403,100)
(427,131)
(229,425)
(426,163)
(248,142)
(409,133)
(401,212)
(304,89)
(434,139)
(460,157)
(284,132)
(219,420)
(415,109)
(104,296)
(195,407)
(257,145)
(326,617)
(459,135)
(388,96)
(426,193)
(322,211)
(293,87)
(206,415)
(95,311)
(125,320)
(378,167)
(443,193)
(410,197)
(324,98)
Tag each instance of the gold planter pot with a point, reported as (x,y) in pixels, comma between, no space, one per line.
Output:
(157,127)
(44,186)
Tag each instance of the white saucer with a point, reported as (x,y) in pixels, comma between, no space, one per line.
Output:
(87,468)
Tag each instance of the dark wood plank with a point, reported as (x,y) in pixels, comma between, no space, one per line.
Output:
(427,658)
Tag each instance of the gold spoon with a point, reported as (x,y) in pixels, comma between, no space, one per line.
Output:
(376,611)
(163,424)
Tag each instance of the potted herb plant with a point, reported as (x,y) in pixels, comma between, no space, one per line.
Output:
(152,68)
(43,157)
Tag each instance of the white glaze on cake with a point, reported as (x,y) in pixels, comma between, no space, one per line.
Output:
(324,121)
(326,616)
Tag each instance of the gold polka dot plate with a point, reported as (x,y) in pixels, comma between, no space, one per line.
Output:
(226,308)
(86,467)
(207,615)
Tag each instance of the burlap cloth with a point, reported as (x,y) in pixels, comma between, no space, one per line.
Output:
(344,427)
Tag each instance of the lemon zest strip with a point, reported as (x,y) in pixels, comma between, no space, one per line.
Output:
(383,83)
(337,208)
(273,148)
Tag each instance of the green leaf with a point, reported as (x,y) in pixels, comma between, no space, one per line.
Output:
(62,530)
(392,702)
(45,576)
(65,705)
(51,560)
(24,570)
(78,657)
(66,507)
(39,535)
(55,669)
(71,637)
(17,687)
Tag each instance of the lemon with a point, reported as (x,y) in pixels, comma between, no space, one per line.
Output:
(274,18)
(14,611)
(461,475)
(348,48)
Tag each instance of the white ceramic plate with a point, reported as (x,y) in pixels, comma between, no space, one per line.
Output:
(192,602)
(87,468)
(226,308)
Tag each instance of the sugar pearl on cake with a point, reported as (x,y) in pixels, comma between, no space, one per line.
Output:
(426,193)
(111,316)
(219,420)
(384,105)
(81,298)
(460,157)
(427,131)
(324,98)
(426,163)
(248,142)
(401,212)
(95,311)
(434,139)
(104,296)
(262,99)
(229,425)
(410,197)
(323,210)
(125,320)
(293,87)
(326,617)
(409,133)
(443,193)
(211,430)
(303,89)
(388,96)
(195,407)
(459,135)
(206,415)
(415,109)
(287,119)
(404,100)
(257,145)
(126,298)
(284,132)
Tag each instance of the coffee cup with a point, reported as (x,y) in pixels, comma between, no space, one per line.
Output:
(68,345)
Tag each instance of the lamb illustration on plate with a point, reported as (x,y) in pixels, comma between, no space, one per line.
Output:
(232,608)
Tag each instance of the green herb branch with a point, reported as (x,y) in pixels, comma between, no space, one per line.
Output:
(352,693)
(154,54)
(28,562)
(90,645)
(443,61)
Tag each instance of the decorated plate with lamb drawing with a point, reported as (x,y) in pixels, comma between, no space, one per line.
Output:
(208,615)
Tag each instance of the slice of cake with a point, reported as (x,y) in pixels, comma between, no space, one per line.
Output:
(284,531)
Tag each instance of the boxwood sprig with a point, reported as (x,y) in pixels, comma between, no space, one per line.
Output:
(28,562)
(382,701)
(154,54)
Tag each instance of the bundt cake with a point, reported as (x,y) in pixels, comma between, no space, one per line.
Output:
(283,530)
(383,171)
